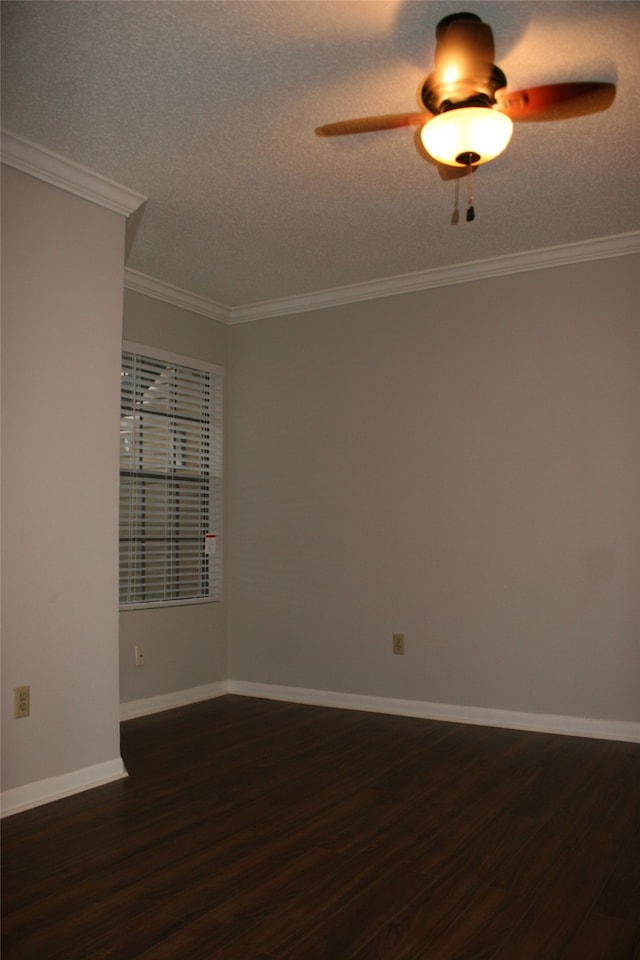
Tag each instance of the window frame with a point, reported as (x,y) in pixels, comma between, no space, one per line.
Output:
(216,422)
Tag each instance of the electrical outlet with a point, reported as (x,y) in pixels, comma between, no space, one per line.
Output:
(139,651)
(21,702)
(398,643)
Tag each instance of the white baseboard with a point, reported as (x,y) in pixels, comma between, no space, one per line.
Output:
(167,701)
(537,722)
(54,788)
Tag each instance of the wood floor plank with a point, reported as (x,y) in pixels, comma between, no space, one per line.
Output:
(480,928)
(351,924)
(605,938)
(564,903)
(428,919)
(274,914)
(620,896)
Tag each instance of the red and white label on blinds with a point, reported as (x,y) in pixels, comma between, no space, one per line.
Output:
(210,542)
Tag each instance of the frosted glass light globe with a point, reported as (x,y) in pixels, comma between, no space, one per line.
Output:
(467,132)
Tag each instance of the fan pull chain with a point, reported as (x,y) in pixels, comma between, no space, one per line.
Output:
(470,211)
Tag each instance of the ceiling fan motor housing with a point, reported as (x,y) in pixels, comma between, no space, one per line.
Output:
(464,75)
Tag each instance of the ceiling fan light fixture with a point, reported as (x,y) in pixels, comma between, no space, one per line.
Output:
(452,137)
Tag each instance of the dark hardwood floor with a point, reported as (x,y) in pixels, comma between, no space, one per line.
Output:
(256,830)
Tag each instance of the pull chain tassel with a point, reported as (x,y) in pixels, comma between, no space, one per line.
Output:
(470,211)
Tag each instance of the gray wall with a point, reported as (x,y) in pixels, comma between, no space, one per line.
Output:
(184,646)
(62,282)
(461,465)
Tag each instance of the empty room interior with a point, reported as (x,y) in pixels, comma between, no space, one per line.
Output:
(364,681)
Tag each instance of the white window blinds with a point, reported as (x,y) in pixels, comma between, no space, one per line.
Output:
(170,478)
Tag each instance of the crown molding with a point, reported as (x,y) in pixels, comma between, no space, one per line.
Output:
(599,249)
(159,290)
(45,165)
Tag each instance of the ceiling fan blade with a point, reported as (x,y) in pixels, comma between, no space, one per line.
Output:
(388,121)
(557,101)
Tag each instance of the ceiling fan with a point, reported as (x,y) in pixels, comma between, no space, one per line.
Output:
(468,114)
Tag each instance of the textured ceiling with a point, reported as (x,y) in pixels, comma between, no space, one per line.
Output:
(209,110)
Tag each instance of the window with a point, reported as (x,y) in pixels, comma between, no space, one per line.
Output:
(170,478)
